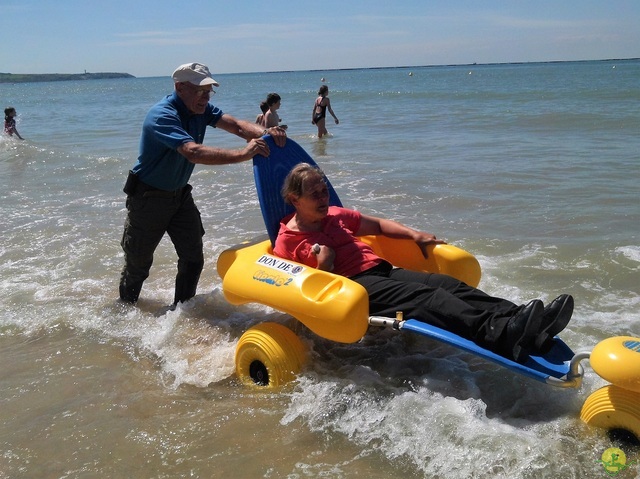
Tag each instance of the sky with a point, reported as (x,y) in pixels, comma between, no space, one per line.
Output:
(151,37)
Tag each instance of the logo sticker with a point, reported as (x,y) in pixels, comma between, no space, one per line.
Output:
(272,278)
(282,271)
(280,264)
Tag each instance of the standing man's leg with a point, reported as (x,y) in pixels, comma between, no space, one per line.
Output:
(145,226)
(186,232)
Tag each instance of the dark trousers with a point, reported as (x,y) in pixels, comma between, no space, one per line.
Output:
(440,300)
(151,214)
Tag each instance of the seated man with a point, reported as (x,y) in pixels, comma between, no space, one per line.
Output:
(326,237)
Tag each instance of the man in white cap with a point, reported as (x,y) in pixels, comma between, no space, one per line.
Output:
(159,197)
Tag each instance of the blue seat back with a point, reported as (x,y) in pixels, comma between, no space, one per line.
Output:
(269,174)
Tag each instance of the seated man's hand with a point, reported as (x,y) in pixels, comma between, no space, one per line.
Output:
(425,239)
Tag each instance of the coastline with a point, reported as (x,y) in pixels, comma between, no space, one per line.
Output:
(514,63)
(46,77)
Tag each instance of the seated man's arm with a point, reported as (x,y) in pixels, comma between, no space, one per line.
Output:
(371,225)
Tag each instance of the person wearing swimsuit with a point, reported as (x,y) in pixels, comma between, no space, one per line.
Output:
(319,112)
(271,117)
(263,108)
(10,122)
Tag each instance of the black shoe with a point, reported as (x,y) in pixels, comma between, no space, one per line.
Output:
(522,329)
(555,318)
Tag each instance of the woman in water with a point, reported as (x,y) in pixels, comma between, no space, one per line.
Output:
(319,113)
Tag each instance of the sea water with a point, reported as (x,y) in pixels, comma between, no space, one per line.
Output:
(533,168)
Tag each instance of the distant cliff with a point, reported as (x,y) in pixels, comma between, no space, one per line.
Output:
(40,77)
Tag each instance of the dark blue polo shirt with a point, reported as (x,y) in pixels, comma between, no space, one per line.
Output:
(168,125)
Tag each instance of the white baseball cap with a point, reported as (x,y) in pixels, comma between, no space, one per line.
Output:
(195,73)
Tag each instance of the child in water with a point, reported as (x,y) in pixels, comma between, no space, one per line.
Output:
(263,108)
(271,117)
(10,122)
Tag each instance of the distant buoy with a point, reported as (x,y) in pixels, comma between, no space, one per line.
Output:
(470,73)
(322,80)
(410,74)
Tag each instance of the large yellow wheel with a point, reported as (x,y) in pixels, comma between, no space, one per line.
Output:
(613,407)
(269,355)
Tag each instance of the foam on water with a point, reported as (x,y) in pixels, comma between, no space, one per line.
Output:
(444,426)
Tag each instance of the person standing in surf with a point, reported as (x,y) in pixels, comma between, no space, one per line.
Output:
(319,112)
(271,117)
(263,108)
(159,197)
(10,122)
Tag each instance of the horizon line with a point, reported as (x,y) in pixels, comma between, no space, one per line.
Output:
(417,66)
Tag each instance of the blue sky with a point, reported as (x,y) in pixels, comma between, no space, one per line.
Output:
(152,37)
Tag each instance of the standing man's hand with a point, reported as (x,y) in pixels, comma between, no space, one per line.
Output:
(257,146)
(278,134)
